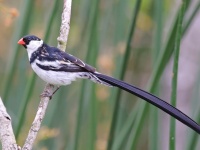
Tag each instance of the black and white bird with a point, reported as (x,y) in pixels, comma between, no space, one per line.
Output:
(60,68)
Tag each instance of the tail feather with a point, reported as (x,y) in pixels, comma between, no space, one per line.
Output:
(97,80)
(92,77)
(153,100)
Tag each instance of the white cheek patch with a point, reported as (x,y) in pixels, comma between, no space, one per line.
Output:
(34,45)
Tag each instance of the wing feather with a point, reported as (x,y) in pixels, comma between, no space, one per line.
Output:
(63,56)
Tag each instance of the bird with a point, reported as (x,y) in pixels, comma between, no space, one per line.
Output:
(59,68)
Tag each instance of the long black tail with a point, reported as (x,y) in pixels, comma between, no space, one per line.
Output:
(153,100)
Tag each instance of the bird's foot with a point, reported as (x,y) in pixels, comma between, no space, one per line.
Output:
(46,94)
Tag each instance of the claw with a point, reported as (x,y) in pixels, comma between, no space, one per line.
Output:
(46,94)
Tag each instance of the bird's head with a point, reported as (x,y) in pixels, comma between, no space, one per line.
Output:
(30,42)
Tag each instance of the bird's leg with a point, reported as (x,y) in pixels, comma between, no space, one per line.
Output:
(47,94)
(56,90)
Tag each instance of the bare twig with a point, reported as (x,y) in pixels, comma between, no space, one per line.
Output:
(65,25)
(62,42)
(38,119)
(6,132)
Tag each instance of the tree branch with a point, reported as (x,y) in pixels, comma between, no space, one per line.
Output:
(6,132)
(65,25)
(62,42)
(38,118)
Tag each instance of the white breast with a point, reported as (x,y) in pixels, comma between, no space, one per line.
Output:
(55,77)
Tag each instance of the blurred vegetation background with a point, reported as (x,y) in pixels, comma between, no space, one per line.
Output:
(131,40)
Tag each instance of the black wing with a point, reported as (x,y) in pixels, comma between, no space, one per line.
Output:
(67,62)
(64,57)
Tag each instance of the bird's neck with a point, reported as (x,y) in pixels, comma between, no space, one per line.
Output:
(33,46)
(37,53)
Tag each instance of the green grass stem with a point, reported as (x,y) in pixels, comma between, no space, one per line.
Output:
(172,134)
(154,115)
(162,61)
(123,69)
(89,89)
(22,28)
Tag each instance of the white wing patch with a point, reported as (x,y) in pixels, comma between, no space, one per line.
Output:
(55,64)
(64,62)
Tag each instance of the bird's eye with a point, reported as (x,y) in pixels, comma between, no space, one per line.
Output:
(26,40)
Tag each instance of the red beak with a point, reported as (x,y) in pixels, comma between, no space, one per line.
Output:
(21,42)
